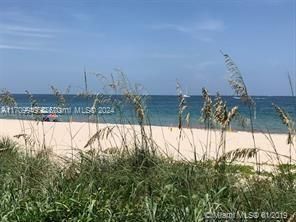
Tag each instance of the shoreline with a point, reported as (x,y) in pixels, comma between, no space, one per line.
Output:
(68,138)
(196,126)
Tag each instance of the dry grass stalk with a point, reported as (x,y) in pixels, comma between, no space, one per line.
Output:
(6,98)
(238,154)
(181,108)
(139,108)
(32,100)
(284,116)
(207,118)
(27,139)
(286,120)
(223,118)
(37,115)
(132,96)
(182,105)
(236,81)
(187,119)
(61,101)
(220,113)
(100,135)
(34,104)
(231,114)
(206,110)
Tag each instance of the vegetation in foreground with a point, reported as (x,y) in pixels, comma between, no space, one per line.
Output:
(135,187)
(136,184)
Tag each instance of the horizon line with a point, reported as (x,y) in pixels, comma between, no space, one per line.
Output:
(106,94)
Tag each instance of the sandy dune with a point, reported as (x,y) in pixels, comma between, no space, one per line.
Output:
(66,139)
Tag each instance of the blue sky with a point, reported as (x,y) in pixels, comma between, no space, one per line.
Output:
(154,42)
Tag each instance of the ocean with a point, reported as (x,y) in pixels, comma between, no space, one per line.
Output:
(162,110)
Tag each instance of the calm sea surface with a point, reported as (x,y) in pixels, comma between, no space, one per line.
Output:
(163,110)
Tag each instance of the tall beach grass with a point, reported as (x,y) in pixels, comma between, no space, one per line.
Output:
(134,181)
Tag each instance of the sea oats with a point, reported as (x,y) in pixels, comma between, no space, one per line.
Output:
(240,153)
(99,135)
(61,101)
(286,120)
(236,81)
(6,98)
(220,112)
(206,110)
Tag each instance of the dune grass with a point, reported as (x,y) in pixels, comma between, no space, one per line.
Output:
(34,188)
(135,183)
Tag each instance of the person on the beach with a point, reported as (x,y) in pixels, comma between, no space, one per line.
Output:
(52,117)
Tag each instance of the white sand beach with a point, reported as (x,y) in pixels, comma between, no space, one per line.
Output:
(66,139)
